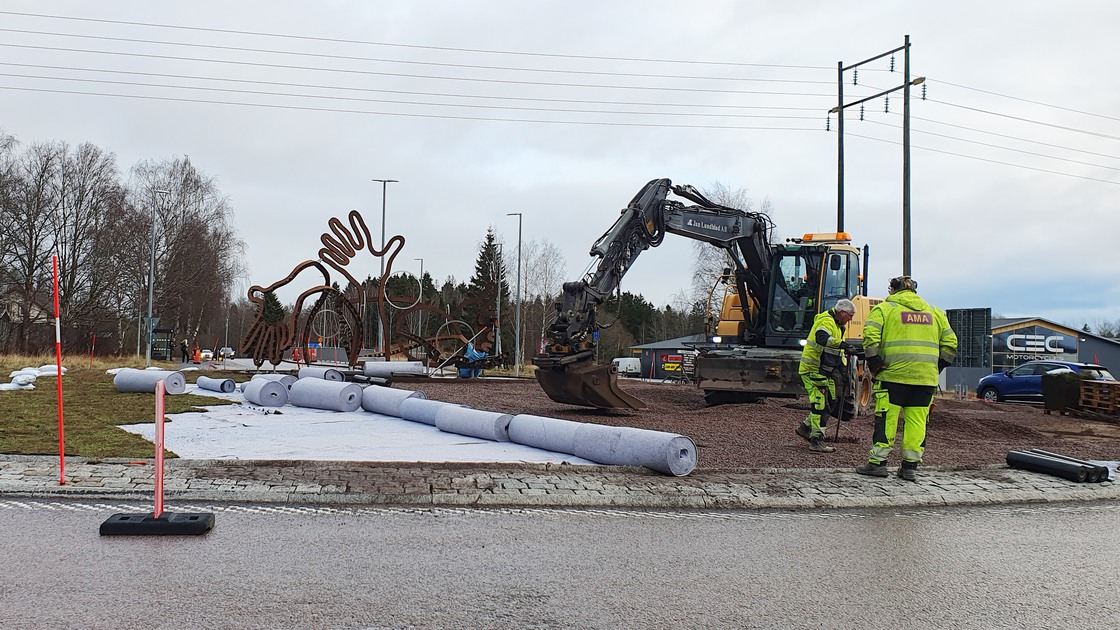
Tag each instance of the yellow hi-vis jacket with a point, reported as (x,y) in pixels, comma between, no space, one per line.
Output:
(908,340)
(823,342)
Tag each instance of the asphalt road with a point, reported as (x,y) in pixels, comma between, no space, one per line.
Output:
(300,567)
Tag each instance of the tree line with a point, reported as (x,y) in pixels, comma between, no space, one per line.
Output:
(75,203)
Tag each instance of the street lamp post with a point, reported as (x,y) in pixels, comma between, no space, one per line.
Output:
(152,277)
(517,331)
(381,280)
(420,320)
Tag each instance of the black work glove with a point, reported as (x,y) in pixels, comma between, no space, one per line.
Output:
(850,348)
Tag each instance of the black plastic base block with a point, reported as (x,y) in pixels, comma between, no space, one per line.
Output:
(168,524)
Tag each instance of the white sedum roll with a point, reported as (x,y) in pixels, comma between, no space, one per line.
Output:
(488,425)
(144,381)
(264,392)
(325,373)
(386,400)
(317,393)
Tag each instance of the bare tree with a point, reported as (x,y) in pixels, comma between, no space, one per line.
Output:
(27,221)
(543,274)
(710,262)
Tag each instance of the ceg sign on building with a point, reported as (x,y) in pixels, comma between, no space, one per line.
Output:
(1032,340)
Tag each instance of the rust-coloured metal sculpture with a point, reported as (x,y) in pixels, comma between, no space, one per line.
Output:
(269,340)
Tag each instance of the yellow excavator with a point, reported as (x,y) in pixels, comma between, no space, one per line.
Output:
(773,292)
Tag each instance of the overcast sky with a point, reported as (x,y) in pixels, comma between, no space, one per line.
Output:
(490,107)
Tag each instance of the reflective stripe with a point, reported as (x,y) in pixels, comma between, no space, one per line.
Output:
(873,324)
(911,456)
(910,356)
(948,355)
(880,453)
(911,342)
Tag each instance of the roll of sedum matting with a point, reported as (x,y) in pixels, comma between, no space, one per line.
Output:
(224,385)
(488,425)
(386,400)
(668,453)
(422,410)
(389,368)
(325,373)
(133,380)
(550,434)
(318,393)
(285,379)
(265,392)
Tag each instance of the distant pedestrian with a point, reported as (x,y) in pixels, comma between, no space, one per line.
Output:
(907,342)
(184,350)
(822,364)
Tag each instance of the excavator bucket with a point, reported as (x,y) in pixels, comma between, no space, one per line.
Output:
(587,385)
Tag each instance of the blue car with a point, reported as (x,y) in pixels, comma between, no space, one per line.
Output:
(1024,382)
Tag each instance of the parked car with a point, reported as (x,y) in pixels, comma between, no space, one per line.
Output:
(1024,382)
(226,352)
(206,355)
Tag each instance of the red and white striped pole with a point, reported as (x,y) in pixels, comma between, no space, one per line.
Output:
(158,511)
(58,365)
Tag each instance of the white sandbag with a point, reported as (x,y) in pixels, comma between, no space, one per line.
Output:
(318,393)
(385,369)
(422,410)
(550,434)
(8,387)
(266,393)
(668,453)
(488,425)
(386,400)
(32,372)
(51,370)
(23,379)
(133,380)
(325,373)
(285,379)
(224,385)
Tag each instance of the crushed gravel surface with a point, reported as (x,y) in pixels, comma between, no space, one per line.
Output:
(962,433)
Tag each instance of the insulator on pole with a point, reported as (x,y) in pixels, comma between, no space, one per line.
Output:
(887,105)
(892,63)
(861,112)
(828,123)
(855,76)
(923,91)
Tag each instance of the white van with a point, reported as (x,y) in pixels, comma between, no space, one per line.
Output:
(631,366)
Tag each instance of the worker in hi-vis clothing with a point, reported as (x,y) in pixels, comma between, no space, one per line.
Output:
(821,360)
(906,343)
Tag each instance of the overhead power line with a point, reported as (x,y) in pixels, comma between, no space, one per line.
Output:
(973,157)
(404,114)
(1011,137)
(1026,120)
(997,146)
(1025,100)
(406,92)
(410,61)
(405,75)
(399,102)
(414,46)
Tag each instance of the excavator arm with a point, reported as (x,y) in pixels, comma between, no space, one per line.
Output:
(566,370)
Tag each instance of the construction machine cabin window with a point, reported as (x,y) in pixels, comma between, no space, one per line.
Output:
(841,278)
(796,284)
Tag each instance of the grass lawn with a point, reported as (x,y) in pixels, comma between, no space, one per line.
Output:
(92,409)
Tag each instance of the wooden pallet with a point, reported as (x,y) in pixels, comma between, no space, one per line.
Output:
(1101,396)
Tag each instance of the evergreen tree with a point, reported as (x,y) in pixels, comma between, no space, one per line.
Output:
(274,312)
(489,272)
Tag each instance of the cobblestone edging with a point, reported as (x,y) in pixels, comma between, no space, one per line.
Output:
(484,485)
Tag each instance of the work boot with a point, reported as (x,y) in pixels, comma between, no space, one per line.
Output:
(908,471)
(817,445)
(803,430)
(871,469)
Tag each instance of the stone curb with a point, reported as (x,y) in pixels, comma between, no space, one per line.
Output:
(529,485)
